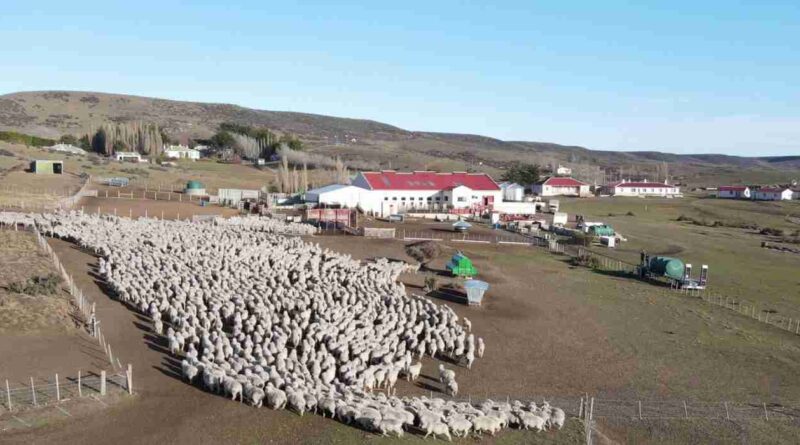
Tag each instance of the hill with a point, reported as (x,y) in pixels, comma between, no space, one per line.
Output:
(54,113)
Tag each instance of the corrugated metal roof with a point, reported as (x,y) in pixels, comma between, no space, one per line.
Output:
(391,180)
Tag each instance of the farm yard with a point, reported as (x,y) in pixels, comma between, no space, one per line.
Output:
(662,366)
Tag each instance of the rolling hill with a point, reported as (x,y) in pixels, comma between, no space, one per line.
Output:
(54,113)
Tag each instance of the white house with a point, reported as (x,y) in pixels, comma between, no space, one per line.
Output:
(630,188)
(128,156)
(773,194)
(340,195)
(733,192)
(555,186)
(181,152)
(512,192)
(395,192)
(563,171)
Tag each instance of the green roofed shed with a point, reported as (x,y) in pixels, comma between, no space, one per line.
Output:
(461,266)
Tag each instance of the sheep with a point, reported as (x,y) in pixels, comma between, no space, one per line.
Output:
(486,424)
(386,426)
(446,375)
(237,306)
(189,371)
(438,429)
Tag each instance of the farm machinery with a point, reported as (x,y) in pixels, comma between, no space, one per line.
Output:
(678,274)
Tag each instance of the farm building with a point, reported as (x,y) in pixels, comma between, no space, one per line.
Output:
(773,194)
(563,171)
(339,195)
(393,192)
(512,192)
(644,188)
(181,152)
(45,167)
(733,192)
(554,186)
(128,156)
(232,197)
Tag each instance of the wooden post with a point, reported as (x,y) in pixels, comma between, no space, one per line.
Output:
(766,416)
(80,388)
(640,410)
(33,393)
(727,413)
(110,356)
(8,396)
(129,377)
(102,383)
(580,409)
(685,409)
(58,390)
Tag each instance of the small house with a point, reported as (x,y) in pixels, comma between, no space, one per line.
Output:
(733,192)
(46,167)
(128,156)
(561,186)
(773,194)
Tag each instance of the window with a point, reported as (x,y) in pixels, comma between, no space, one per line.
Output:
(446,198)
(385,198)
(438,198)
(403,198)
(461,199)
(394,198)
(429,198)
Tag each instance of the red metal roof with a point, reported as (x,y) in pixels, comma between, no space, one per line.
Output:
(643,184)
(563,182)
(392,180)
(732,188)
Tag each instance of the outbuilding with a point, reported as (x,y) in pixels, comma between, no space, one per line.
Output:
(733,192)
(557,186)
(773,194)
(181,152)
(338,195)
(643,188)
(47,167)
(512,192)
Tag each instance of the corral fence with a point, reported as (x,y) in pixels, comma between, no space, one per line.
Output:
(46,392)
(21,197)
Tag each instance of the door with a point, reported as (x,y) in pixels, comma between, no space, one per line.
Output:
(57,168)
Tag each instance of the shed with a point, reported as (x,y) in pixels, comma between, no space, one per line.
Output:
(461,266)
(233,197)
(46,167)
(194,188)
(475,290)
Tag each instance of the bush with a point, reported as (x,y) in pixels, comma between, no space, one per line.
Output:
(585,259)
(424,251)
(46,285)
(630,213)
(771,231)
(25,139)
(431,283)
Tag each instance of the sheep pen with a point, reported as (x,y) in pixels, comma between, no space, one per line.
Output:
(265,318)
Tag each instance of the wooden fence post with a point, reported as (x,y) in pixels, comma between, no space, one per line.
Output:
(33,393)
(8,396)
(727,413)
(80,388)
(640,410)
(102,383)
(58,390)
(129,376)
(685,409)
(766,416)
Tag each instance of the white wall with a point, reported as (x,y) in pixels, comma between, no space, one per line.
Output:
(550,190)
(646,191)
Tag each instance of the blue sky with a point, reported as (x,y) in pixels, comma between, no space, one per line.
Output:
(680,76)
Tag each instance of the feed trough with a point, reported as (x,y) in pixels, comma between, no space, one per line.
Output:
(475,290)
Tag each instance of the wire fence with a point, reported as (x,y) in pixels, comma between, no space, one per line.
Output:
(45,392)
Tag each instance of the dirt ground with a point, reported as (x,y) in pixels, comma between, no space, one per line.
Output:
(136,208)
(39,335)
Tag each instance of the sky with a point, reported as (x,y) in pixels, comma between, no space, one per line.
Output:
(681,76)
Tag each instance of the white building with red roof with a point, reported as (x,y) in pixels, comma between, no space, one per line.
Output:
(773,194)
(397,192)
(643,188)
(733,192)
(558,186)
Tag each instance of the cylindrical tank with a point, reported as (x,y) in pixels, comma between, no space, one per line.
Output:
(666,266)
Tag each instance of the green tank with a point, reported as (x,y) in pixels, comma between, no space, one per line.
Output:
(603,230)
(666,266)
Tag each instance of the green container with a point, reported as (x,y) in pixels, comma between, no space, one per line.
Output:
(668,267)
(603,230)
(194,185)
(461,266)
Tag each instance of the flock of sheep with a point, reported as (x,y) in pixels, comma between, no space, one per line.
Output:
(270,319)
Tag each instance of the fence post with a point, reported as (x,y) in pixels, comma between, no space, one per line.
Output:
(129,377)
(727,413)
(685,410)
(766,416)
(102,383)
(80,389)
(640,410)
(8,396)
(33,393)
(58,390)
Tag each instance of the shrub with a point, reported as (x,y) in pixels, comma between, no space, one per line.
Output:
(585,259)
(630,213)
(424,251)
(431,283)
(771,231)
(44,285)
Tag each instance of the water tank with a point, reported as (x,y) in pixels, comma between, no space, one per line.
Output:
(602,230)
(666,266)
